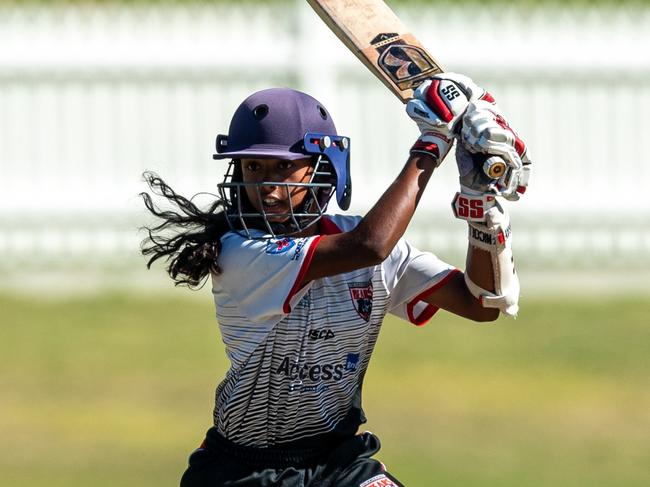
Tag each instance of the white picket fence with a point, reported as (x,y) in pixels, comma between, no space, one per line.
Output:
(92,96)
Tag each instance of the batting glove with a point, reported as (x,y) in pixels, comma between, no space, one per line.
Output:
(438,106)
(486,139)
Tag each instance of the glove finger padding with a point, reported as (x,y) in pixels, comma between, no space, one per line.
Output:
(514,182)
(486,131)
(438,104)
(437,108)
(473,170)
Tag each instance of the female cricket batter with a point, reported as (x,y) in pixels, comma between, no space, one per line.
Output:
(301,296)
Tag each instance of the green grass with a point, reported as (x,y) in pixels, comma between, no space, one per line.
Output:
(117,390)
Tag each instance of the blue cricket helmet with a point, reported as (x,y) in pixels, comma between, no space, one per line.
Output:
(281,123)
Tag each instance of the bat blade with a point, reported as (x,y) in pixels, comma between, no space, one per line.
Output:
(372,31)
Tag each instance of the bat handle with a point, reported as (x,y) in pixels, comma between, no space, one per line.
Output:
(494,167)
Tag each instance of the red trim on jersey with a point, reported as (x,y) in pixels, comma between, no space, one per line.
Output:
(325,227)
(328,227)
(430,310)
(286,308)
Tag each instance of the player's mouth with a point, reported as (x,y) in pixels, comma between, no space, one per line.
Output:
(271,202)
(273,206)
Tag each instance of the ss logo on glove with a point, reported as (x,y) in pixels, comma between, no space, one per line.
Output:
(471,207)
(450,92)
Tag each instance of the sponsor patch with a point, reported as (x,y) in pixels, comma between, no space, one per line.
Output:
(379,481)
(318,388)
(309,376)
(361,294)
(299,246)
(352,361)
(309,371)
(279,246)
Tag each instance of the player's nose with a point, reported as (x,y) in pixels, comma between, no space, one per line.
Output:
(267,189)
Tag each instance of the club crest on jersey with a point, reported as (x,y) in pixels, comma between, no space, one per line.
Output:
(361,293)
(279,246)
(379,481)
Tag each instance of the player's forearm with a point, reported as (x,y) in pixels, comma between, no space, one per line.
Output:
(479,268)
(379,231)
(495,285)
(374,238)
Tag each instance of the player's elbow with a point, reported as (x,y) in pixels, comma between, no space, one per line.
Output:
(478,313)
(368,248)
(374,252)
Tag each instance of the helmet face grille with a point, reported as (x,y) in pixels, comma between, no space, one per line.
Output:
(244,219)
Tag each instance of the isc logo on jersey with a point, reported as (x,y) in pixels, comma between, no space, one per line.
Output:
(379,481)
(324,334)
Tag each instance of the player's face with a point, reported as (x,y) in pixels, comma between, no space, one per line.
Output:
(276,198)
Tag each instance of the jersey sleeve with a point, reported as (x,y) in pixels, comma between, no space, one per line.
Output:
(410,276)
(262,277)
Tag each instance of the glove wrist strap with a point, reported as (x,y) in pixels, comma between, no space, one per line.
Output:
(432,144)
(471,205)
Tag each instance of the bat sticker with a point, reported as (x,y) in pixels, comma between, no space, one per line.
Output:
(406,65)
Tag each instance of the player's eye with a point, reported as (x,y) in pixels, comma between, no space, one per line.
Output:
(252,166)
(284,165)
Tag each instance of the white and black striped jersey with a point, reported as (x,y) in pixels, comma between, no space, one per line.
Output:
(298,355)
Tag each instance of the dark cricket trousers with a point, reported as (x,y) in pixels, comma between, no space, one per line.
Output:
(345,464)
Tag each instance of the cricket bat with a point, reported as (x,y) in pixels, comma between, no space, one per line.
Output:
(372,31)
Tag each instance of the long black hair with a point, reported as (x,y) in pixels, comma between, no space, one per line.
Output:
(188,239)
